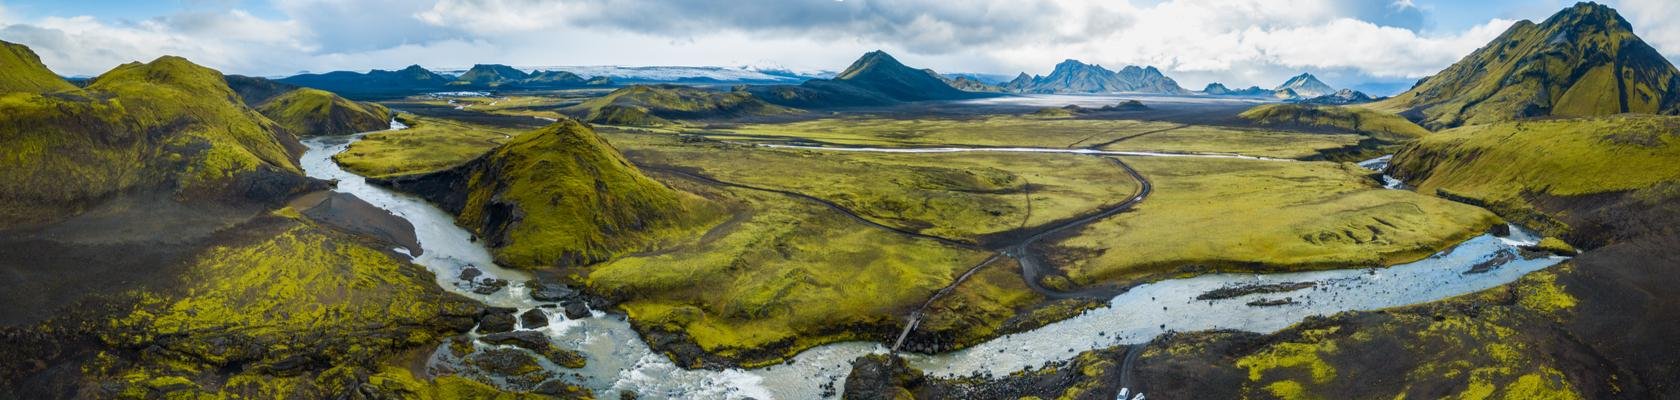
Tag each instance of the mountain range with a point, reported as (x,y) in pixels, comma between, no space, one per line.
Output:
(876,79)
(1073,76)
(1300,87)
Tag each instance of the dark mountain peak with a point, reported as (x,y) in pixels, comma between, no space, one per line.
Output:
(1216,88)
(872,62)
(1590,14)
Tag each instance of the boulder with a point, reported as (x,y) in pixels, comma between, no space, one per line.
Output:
(533,319)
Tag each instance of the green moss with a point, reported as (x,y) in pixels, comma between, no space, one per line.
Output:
(1030,131)
(1502,165)
(783,276)
(1200,219)
(1556,246)
(311,112)
(1377,124)
(967,197)
(165,124)
(1531,70)
(650,105)
(578,201)
(1540,292)
(428,145)
(21,71)
(358,303)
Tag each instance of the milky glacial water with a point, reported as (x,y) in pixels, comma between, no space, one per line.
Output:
(618,360)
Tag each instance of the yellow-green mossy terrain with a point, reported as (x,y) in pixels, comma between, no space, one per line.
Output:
(167,125)
(21,71)
(312,112)
(1488,345)
(1377,124)
(1508,166)
(1584,61)
(284,308)
(648,105)
(560,196)
(1208,215)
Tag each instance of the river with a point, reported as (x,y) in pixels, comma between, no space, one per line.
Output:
(618,360)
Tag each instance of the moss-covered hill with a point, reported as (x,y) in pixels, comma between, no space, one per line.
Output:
(149,253)
(1516,167)
(558,196)
(1584,61)
(168,125)
(645,105)
(21,71)
(1377,124)
(309,112)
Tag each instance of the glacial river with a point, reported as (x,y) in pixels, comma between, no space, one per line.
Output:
(619,361)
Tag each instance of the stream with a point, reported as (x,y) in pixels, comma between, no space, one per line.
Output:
(618,360)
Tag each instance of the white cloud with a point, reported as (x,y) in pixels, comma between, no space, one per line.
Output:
(1240,42)
(231,41)
(1653,20)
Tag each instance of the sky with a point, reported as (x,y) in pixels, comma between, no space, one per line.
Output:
(1382,45)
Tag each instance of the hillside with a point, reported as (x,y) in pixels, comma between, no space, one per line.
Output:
(876,79)
(306,111)
(375,83)
(1515,167)
(1072,76)
(1306,85)
(1380,125)
(555,197)
(167,125)
(644,105)
(21,71)
(1583,61)
(312,112)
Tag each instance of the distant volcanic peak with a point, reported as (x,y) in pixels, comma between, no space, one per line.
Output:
(870,62)
(1307,85)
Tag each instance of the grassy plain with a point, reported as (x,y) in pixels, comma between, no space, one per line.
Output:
(429,144)
(964,196)
(1029,131)
(783,275)
(1256,216)
(1496,162)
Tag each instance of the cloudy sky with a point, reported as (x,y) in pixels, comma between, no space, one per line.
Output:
(1362,43)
